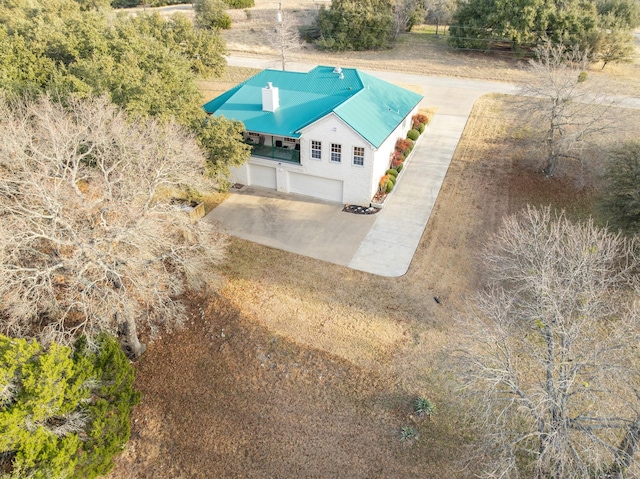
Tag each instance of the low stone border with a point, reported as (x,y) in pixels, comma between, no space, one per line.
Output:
(360,210)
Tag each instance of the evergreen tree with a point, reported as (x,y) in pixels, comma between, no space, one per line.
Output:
(524,24)
(356,25)
(620,202)
(63,414)
(146,64)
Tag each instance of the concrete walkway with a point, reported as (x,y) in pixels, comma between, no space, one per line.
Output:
(389,246)
(392,241)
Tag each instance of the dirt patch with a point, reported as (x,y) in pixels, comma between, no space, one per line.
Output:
(229,398)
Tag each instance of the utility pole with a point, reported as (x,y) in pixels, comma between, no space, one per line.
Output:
(281,32)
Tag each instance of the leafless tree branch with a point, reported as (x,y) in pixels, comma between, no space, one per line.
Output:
(550,350)
(88,240)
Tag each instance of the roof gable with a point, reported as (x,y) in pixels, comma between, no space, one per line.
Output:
(370,106)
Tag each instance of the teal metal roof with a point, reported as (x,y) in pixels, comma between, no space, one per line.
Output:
(372,107)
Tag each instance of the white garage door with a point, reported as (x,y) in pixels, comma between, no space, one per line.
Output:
(260,175)
(315,186)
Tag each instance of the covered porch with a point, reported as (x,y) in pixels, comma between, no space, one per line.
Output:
(273,147)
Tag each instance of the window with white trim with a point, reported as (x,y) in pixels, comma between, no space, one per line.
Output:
(316,150)
(358,156)
(336,152)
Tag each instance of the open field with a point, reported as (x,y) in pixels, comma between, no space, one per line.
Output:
(297,368)
(419,52)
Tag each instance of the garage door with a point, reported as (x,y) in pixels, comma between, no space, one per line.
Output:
(315,186)
(260,175)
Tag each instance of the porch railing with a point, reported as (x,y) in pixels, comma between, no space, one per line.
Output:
(276,153)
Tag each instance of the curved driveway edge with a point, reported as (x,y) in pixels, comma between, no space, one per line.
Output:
(393,237)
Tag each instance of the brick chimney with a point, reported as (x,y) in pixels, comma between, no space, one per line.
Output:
(270,98)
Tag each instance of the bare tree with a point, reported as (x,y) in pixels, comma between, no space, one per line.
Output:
(406,13)
(551,351)
(565,103)
(286,36)
(440,12)
(89,242)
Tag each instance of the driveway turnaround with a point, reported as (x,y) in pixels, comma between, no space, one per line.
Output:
(300,224)
(383,243)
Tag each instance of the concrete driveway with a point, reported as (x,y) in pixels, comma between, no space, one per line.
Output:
(300,224)
(296,223)
(383,243)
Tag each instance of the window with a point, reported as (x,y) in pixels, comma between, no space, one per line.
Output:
(316,150)
(358,156)
(336,152)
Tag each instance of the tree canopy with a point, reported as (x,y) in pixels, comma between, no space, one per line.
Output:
(146,64)
(620,201)
(486,24)
(356,25)
(550,351)
(565,107)
(90,241)
(63,413)
(212,14)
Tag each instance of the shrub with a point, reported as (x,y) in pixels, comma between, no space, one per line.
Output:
(396,158)
(408,433)
(424,407)
(421,129)
(390,185)
(420,118)
(413,134)
(392,179)
(211,14)
(416,125)
(382,186)
(399,167)
(223,23)
(80,403)
(392,172)
(240,3)
(404,146)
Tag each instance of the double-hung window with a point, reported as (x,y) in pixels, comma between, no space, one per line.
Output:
(316,150)
(358,156)
(336,153)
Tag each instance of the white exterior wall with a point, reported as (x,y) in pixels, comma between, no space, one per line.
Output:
(360,183)
(356,179)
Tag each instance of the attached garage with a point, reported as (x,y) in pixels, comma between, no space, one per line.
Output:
(324,188)
(260,175)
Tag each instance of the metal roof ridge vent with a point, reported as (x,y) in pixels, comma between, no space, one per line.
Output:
(270,98)
(341,77)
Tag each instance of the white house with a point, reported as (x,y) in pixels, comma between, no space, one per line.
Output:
(328,133)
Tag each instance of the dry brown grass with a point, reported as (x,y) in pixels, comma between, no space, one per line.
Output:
(232,76)
(297,368)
